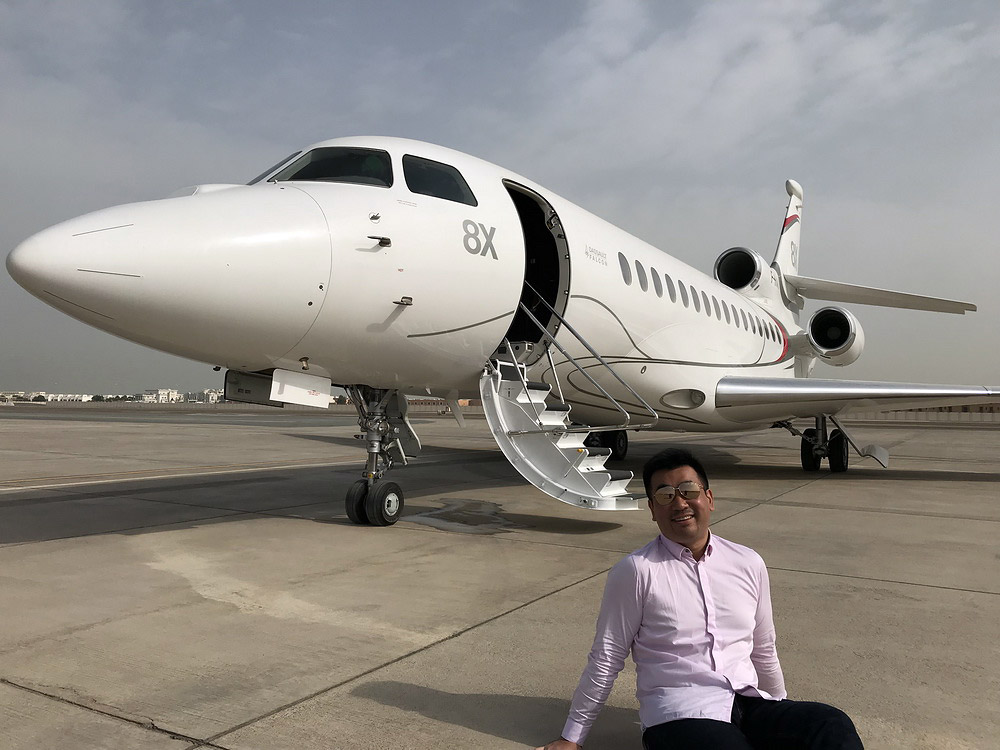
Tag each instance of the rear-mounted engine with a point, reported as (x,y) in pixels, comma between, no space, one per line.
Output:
(835,336)
(741,268)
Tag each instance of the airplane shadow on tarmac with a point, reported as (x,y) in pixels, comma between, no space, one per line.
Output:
(527,720)
(725,464)
(441,498)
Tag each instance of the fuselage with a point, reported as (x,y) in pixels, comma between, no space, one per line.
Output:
(406,275)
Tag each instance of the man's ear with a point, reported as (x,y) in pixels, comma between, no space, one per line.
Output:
(651,511)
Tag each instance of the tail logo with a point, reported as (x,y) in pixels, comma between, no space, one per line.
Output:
(790,222)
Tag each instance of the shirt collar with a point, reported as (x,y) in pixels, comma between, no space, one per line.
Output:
(683,553)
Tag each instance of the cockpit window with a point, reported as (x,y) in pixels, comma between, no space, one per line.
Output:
(360,166)
(438,180)
(270,169)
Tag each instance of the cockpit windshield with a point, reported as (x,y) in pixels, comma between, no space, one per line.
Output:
(273,167)
(361,166)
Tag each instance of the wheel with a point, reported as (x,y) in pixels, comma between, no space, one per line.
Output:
(354,503)
(810,458)
(617,441)
(384,504)
(838,451)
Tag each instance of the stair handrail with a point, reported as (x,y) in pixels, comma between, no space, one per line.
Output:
(599,358)
(555,375)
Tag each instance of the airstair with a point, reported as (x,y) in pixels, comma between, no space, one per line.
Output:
(535,432)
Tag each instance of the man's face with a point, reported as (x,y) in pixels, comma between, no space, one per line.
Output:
(682,521)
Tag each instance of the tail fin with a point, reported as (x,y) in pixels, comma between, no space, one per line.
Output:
(796,289)
(786,256)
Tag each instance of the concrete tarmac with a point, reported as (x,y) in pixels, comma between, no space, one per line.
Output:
(192,581)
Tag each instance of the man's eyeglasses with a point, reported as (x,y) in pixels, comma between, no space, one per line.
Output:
(688,490)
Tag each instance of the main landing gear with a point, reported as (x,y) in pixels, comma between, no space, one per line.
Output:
(371,500)
(817,444)
(616,441)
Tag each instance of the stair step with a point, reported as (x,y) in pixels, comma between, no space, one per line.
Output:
(532,434)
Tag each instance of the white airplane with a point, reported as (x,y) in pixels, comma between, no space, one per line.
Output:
(393,267)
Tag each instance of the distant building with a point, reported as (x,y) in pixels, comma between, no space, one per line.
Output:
(162,396)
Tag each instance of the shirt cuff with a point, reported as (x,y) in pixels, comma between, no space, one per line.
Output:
(575,732)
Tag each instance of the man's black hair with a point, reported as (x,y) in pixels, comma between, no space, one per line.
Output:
(669,459)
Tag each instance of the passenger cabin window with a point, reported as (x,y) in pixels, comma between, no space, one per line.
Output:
(670,287)
(437,180)
(640,273)
(708,307)
(657,284)
(695,300)
(684,292)
(626,269)
(358,166)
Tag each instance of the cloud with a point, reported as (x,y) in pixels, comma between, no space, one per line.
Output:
(678,122)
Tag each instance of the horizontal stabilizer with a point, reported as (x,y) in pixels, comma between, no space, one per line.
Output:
(835,291)
(758,399)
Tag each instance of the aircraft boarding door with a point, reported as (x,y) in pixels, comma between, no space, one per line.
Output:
(546,270)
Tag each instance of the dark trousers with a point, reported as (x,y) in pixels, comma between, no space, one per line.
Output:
(759,724)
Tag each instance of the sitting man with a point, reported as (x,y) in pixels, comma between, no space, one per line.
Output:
(695,611)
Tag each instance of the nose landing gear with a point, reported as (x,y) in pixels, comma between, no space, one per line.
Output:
(370,500)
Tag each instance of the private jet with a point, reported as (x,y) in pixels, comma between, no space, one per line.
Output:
(395,268)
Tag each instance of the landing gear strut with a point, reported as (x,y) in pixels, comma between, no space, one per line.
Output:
(370,500)
(817,445)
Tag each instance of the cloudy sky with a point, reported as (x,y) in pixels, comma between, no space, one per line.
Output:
(677,121)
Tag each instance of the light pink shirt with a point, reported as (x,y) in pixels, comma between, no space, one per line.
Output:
(700,631)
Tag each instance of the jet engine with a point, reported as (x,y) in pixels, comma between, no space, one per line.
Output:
(835,336)
(741,268)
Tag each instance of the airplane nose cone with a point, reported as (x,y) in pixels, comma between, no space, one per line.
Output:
(235,275)
(23,264)
(51,265)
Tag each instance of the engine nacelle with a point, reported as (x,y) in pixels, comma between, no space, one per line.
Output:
(835,336)
(742,269)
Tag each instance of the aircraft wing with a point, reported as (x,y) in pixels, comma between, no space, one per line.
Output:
(836,291)
(758,399)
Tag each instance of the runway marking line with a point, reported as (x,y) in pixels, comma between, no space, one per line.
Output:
(82,480)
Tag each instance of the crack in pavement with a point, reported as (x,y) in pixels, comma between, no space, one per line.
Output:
(113,713)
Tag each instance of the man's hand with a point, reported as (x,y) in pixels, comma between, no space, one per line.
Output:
(560,744)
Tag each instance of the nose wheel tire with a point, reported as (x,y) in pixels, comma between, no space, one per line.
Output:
(354,503)
(838,451)
(384,504)
(810,458)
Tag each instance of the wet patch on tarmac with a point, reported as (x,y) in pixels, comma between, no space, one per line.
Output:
(466,516)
